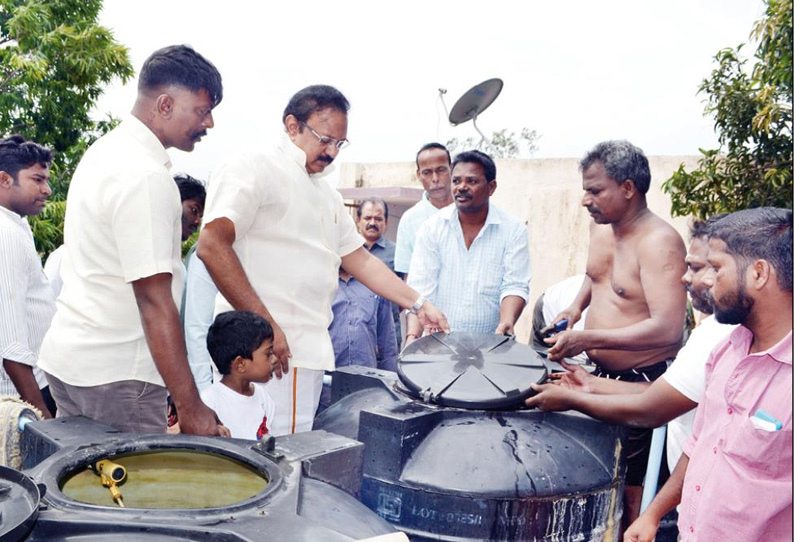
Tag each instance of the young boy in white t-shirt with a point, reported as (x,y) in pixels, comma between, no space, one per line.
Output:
(241,346)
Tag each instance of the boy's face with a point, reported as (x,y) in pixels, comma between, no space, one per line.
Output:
(260,367)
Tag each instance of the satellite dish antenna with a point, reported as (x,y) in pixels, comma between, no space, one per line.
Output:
(476,100)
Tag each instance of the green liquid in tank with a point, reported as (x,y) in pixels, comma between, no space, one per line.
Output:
(170,479)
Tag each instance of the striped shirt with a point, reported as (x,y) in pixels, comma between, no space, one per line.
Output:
(26,299)
(468,285)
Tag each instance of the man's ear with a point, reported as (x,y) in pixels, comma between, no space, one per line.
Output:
(6,179)
(760,273)
(164,105)
(292,125)
(628,188)
(491,187)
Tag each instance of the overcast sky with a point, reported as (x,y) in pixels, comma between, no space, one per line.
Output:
(576,71)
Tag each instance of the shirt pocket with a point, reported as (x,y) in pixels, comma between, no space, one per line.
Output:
(763,452)
(490,280)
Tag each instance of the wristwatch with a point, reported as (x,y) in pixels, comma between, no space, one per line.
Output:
(418,305)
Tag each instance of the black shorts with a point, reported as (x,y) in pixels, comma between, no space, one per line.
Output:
(638,445)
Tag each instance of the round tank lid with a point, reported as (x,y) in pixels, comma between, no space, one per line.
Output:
(470,370)
(19,504)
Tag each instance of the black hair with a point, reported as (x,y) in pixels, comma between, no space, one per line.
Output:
(236,333)
(477,157)
(622,161)
(375,201)
(190,188)
(433,145)
(182,66)
(315,98)
(701,228)
(17,153)
(763,233)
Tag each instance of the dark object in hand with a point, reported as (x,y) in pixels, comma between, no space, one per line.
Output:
(550,331)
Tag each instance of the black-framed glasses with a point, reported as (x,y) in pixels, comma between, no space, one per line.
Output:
(327,140)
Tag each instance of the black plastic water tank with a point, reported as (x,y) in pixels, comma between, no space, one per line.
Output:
(450,455)
(312,481)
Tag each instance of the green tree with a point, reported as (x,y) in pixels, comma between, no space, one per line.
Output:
(752,116)
(55,61)
(503,144)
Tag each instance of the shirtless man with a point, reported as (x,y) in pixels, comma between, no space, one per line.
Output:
(637,303)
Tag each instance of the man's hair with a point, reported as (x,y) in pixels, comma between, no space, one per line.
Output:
(190,188)
(182,66)
(701,228)
(763,233)
(622,161)
(375,201)
(236,333)
(16,153)
(429,146)
(477,157)
(315,98)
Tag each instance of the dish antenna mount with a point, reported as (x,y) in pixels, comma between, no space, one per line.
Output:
(473,103)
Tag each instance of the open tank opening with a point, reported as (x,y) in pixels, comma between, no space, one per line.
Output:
(166,479)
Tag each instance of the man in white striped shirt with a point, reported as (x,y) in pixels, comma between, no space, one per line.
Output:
(27,302)
(472,259)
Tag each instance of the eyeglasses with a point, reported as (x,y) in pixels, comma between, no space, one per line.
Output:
(327,140)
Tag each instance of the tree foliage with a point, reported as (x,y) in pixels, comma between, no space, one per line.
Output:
(55,61)
(502,144)
(752,116)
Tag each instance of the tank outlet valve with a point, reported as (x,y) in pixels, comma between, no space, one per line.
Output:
(111,474)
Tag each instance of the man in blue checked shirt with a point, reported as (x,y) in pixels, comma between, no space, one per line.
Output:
(471,259)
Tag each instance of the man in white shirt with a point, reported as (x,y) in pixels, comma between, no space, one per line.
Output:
(433,169)
(274,236)
(472,259)
(115,346)
(26,300)
(671,398)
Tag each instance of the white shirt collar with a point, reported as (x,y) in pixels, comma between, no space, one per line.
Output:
(297,154)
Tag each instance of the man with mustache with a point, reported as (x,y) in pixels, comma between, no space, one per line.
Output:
(637,304)
(734,478)
(373,219)
(274,238)
(433,168)
(115,348)
(26,300)
(673,397)
(472,258)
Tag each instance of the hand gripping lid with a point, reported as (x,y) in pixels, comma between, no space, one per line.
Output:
(471,370)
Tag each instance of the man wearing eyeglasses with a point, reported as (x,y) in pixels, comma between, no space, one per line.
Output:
(433,169)
(275,235)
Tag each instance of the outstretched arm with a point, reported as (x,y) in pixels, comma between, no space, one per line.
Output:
(656,406)
(374,274)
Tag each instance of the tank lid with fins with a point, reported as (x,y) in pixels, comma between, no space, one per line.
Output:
(470,370)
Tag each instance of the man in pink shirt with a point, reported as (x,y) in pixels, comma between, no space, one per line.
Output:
(734,478)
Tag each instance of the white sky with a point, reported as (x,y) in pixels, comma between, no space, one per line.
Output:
(577,71)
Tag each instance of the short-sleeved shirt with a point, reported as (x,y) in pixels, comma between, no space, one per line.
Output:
(123,223)
(738,482)
(469,284)
(291,231)
(26,299)
(409,226)
(246,416)
(687,374)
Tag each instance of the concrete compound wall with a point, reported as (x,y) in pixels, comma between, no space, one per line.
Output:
(546,194)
